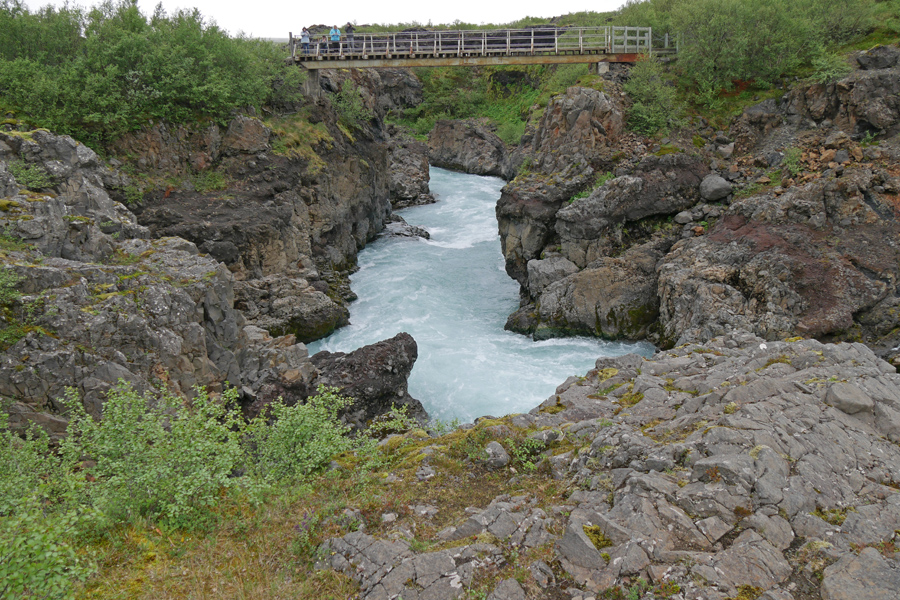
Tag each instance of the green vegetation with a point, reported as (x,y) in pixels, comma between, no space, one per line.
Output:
(33,177)
(98,73)
(654,99)
(349,106)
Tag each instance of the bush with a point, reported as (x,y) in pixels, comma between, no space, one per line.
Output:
(829,67)
(301,440)
(99,73)
(157,458)
(33,177)
(349,106)
(654,103)
(38,557)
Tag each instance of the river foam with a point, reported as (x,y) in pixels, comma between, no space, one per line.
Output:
(452,295)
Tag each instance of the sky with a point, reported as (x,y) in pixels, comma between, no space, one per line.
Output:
(275,18)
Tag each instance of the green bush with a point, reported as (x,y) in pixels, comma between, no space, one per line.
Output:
(33,177)
(722,41)
(98,73)
(654,102)
(38,553)
(829,67)
(38,533)
(301,439)
(157,458)
(349,106)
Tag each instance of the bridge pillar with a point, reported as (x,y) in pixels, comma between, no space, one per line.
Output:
(311,86)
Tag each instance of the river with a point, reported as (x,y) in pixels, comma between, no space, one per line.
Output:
(452,295)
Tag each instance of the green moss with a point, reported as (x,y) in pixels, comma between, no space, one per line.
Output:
(597,537)
(835,516)
(556,408)
(668,149)
(6,205)
(698,141)
(747,592)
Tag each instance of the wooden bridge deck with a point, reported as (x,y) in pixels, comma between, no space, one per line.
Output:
(546,45)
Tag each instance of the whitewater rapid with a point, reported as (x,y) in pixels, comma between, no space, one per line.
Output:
(452,295)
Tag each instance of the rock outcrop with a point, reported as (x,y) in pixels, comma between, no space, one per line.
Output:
(783,265)
(375,376)
(89,299)
(296,220)
(573,142)
(468,146)
(865,101)
(739,468)
(409,174)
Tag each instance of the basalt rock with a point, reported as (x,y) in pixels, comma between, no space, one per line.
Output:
(659,186)
(613,298)
(409,171)
(468,146)
(818,260)
(709,471)
(864,101)
(97,302)
(375,376)
(574,139)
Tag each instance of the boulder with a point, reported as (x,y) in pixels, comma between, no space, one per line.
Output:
(375,376)
(614,298)
(879,57)
(714,188)
(409,174)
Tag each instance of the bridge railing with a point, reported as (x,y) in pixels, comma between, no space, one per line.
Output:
(460,43)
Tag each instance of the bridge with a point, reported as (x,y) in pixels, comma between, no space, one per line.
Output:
(538,45)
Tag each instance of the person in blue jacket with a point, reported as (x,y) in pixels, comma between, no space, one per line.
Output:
(335,34)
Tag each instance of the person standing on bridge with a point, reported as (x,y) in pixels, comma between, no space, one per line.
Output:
(335,34)
(304,40)
(349,31)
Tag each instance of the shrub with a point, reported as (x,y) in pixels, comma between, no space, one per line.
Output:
(33,177)
(301,439)
(37,532)
(349,106)
(101,72)
(157,458)
(38,558)
(828,67)
(791,161)
(654,103)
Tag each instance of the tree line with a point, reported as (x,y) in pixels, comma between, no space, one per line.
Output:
(100,72)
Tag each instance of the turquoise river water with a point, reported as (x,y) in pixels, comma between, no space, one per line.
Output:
(452,295)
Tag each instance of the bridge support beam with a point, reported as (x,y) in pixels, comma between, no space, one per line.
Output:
(465,61)
(312,87)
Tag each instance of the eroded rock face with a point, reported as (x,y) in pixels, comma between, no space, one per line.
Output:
(468,146)
(102,303)
(785,265)
(375,376)
(659,186)
(614,298)
(409,175)
(865,101)
(574,138)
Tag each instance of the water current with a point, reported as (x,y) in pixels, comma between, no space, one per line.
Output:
(452,295)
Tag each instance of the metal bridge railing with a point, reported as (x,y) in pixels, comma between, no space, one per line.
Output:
(458,43)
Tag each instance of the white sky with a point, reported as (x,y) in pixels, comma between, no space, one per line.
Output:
(275,18)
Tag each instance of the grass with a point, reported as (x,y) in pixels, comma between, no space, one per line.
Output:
(296,137)
(254,551)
